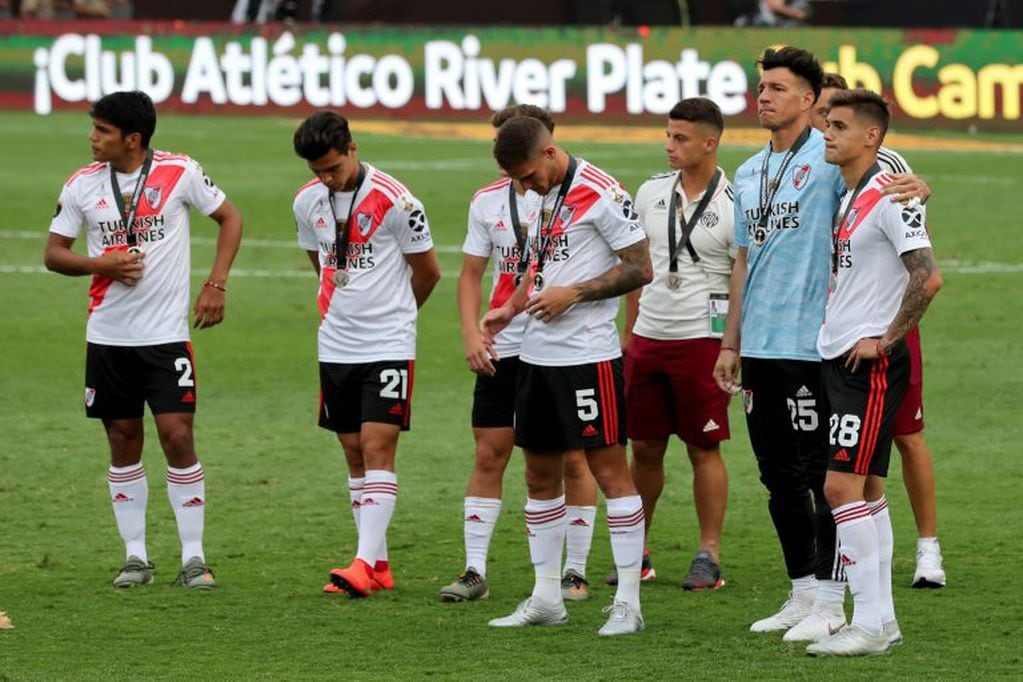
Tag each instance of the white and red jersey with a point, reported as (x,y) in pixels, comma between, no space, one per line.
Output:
(373,317)
(596,220)
(154,311)
(492,235)
(871,280)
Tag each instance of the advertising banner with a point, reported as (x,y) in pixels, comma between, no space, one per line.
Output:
(935,78)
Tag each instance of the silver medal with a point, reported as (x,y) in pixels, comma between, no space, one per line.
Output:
(538,282)
(674,281)
(134,249)
(341,279)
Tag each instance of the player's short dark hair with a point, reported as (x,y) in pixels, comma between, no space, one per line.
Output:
(518,140)
(321,132)
(698,110)
(530,110)
(798,61)
(834,80)
(864,103)
(129,112)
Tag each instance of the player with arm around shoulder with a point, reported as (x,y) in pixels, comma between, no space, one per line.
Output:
(134,202)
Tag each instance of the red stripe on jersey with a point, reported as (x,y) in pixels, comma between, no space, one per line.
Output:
(499,184)
(503,290)
(101,283)
(884,179)
(408,396)
(864,204)
(87,170)
(581,198)
(376,204)
(600,175)
(314,181)
(164,179)
(390,183)
(603,183)
(327,288)
(169,156)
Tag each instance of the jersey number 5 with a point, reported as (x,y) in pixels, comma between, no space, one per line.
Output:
(586,406)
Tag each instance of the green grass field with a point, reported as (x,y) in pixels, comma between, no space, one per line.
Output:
(277,516)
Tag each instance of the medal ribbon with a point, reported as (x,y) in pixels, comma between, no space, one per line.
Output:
(687,229)
(543,240)
(128,216)
(342,236)
(839,222)
(521,234)
(767,193)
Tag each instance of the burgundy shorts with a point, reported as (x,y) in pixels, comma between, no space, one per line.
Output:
(670,389)
(910,417)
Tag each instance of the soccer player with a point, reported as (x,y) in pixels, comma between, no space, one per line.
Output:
(673,328)
(134,202)
(369,242)
(883,280)
(785,197)
(917,465)
(587,249)
(499,217)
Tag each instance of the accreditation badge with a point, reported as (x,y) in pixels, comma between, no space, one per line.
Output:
(717,313)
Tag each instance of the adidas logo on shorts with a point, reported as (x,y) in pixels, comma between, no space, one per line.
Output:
(842,455)
(590,431)
(804,392)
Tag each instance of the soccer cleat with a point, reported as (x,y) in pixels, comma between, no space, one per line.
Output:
(929,569)
(470,586)
(646,572)
(704,573)
(822,621)
(852,640)
(356,580)
(796,608)
(625,619)
(574,587)
(892,633)
(196,575)
(533,612)
(382,577)
(134,573)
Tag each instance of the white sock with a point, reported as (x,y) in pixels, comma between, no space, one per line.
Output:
(625,525)
(186,490)
(923,542)
(481,514)
(830,594)
(807,582)
(375,510)
(885,548)
(545,525)
(355,486)
(129,493)
(578,537)
(857,537)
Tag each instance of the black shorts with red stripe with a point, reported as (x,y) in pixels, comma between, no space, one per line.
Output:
(570,408)
(351,394)
(121,380)
(861,409)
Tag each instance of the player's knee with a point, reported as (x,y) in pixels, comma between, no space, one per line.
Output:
(541,483)
(648,453)
(490,460)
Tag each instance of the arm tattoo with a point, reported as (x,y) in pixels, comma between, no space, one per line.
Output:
(920,264)
(633,272)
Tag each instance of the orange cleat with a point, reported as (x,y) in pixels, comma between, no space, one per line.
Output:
(331,588)
(382,578)
(356,580)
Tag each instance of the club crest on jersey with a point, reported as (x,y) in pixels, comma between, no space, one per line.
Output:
(365,223)
(747,400)
(90,396)
(800,175)
(709,219)
(565,215)
(912,217)
(153,196)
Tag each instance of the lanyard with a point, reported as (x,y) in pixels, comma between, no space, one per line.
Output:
(839,222)
(342,234)
(687,229)
(767,193)
(128,216)
(545,239)
(521,233)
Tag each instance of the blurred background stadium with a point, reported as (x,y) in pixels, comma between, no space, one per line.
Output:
(419,80)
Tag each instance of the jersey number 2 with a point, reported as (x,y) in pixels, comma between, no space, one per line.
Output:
(184,365)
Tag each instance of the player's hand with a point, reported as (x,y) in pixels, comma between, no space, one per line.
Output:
(726,372)
(479,357)
(209,307)
(548,304)
(865,349)
(493,323)
(905,187)
(121,266)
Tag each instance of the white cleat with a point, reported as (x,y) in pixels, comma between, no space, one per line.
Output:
(822,622)
(796,608)
(930,571)
(892,633)
(852,640)
(625,619)
(533,612)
